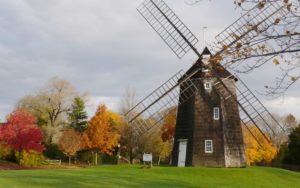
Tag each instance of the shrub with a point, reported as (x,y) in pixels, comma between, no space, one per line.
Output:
(85,156)
(5,152)
(52,152)
(106,159)
(31,158)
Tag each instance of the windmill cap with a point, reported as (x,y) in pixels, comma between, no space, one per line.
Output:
(206,52)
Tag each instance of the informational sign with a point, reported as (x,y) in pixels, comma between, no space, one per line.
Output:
(147,157)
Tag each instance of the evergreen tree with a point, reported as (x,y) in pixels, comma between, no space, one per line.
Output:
(293,154)
(78,115)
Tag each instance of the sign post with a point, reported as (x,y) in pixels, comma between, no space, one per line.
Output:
(147,158)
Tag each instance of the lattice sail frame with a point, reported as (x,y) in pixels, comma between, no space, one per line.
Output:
(245,37)
(168,26)
(150,112)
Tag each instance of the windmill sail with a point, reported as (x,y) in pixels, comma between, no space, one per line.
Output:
(252,111)
(168,26)
(244,32)
(149,112)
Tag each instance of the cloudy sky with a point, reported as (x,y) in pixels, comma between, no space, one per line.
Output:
(104,46)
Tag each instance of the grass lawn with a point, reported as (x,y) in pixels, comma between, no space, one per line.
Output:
(134,176)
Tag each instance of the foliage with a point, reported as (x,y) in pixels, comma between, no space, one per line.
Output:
(30,158)
(5,152)
(99,135)
(85,156)
(290,122)
(257,153)
(21,133)
(107,159)
(52,151)
(109,176)
(70,143)
(78,115)
(117,122)
(168,128)
(153,143)
(293,150)
(128,140)
(50,106)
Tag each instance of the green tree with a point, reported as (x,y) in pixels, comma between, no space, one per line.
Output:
(293,153)
(78,115)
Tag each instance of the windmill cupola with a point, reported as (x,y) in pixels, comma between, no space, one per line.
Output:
(205,55)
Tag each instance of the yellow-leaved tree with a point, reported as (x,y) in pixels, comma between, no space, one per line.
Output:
(100,136)
(256,153)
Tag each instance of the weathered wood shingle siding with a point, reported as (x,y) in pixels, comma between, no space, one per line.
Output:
(195,123)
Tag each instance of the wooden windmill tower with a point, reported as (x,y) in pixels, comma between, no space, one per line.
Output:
(208,128)
(212,104)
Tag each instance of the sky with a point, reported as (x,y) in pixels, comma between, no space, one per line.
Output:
(103,47)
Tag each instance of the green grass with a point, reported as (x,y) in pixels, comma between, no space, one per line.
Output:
(133,176)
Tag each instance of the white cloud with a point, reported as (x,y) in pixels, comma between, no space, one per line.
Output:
(112,103)
(286,105)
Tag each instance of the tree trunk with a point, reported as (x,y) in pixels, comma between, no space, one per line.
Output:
(20,156)
(158,162)
(96,158)
(131,159)
(131,156)
(69,160)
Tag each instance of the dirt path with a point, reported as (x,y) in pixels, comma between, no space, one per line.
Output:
(12,166)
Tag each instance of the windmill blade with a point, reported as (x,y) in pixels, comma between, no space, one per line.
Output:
(168,26)
(252,111)
(148,113)
(258,112)
(248,26)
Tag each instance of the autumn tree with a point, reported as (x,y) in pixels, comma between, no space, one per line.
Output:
(258,149)
(152,142)
(70,142)
(129,140)
(50,106)
(99,136)
(78,115)
(21,133)
(169,124)
(290,122)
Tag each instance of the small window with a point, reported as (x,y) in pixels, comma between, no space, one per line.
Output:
(207,85)
(208,146)
(216,113)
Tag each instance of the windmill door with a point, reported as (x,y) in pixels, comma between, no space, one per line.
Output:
(182,153)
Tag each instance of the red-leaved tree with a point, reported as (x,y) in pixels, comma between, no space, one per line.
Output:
(21,133)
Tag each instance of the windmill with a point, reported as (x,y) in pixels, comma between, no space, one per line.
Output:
(212,103)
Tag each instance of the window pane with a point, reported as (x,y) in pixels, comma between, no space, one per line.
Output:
(216,113)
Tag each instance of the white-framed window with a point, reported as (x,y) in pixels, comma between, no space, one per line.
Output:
(207,85)
(216,113)
(209,146)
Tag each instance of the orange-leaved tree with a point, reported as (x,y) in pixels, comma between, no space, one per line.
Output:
(70,142)
(100,136)
(262,152)
(168,128)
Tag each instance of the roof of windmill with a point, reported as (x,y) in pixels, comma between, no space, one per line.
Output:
(219,69)
(206,51)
